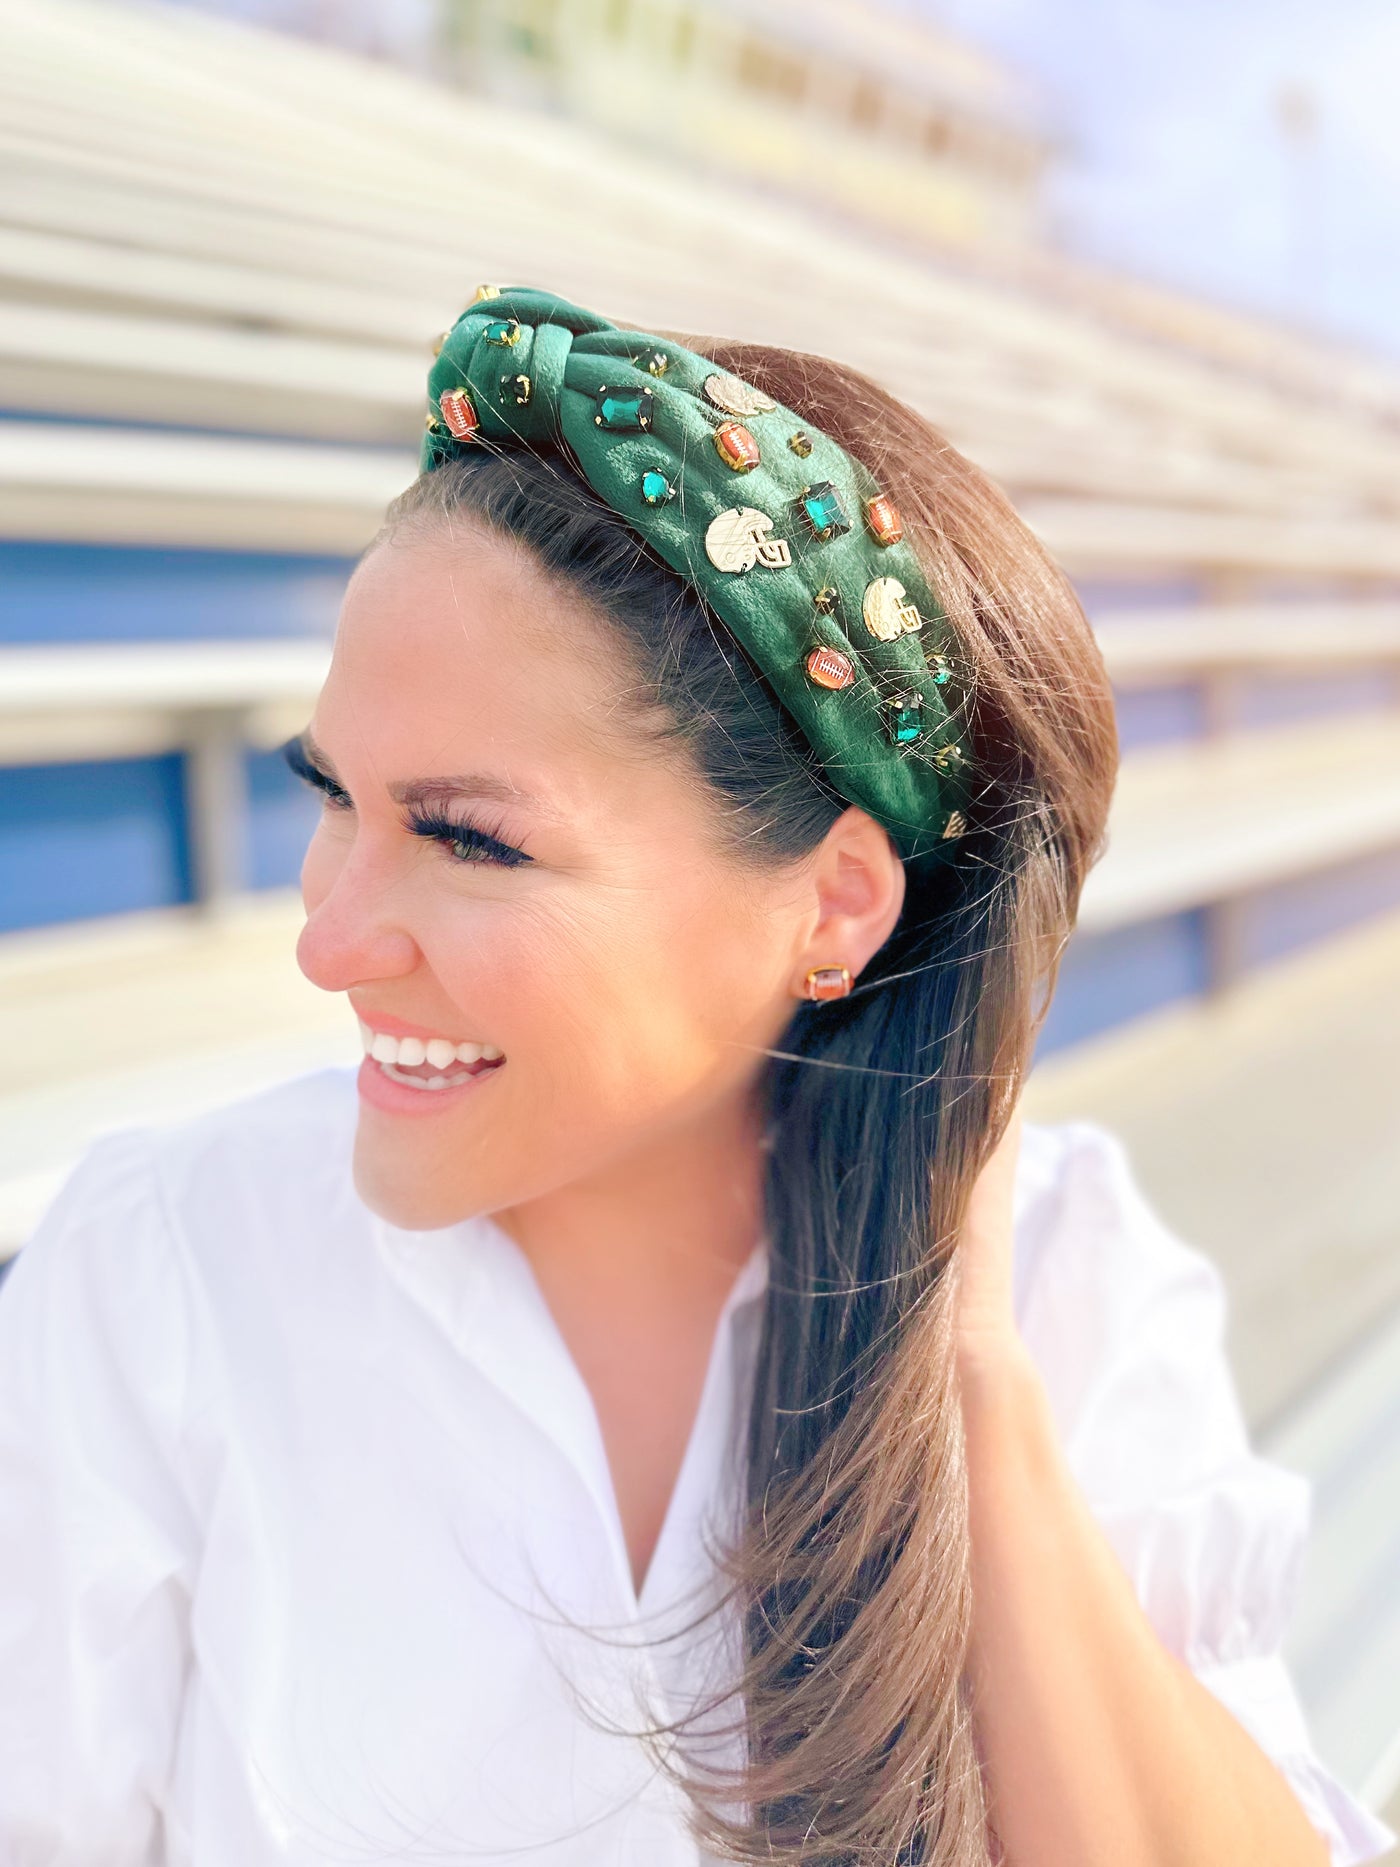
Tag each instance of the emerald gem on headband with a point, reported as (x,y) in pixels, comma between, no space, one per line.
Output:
(826,599)
(904,717)
(516,389)
(800,443)
(658,363)
(657,490)
(824,512)
(505,331)
(624,408)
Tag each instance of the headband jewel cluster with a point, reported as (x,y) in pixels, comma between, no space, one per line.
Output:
(786,536)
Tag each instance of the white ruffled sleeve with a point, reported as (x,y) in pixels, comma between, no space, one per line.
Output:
(97,1539)
(1127,1326)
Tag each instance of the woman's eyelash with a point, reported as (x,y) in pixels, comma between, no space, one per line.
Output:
(294,755)
(465,842)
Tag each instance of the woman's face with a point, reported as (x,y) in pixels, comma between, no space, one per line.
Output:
(507,860)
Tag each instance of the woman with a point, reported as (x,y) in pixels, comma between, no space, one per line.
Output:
(619,1426)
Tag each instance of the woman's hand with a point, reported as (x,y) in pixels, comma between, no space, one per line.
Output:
(986,1322)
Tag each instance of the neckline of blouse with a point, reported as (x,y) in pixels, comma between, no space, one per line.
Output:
(476,1284)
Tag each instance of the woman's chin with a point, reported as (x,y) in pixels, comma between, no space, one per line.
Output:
(413,1202)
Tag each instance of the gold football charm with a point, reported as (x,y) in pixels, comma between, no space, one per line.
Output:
(736,397)
(828,667)
(882,516)
(886,613)
(458,413)
(741,537)
(736,447)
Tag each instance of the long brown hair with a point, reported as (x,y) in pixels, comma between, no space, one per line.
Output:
(851,1572)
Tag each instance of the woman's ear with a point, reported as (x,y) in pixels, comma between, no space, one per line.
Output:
(857,882)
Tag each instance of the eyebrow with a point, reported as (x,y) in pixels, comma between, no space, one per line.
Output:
(416,793)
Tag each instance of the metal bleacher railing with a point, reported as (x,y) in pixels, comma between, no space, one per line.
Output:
(1197,824)
(222,263)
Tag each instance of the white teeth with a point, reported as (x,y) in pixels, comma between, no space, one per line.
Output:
(421,1082)
(412,1052)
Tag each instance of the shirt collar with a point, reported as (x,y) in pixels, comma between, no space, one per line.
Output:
(476,1284)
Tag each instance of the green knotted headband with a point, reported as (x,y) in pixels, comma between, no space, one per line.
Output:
(786,536)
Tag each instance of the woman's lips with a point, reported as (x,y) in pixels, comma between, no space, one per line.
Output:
(424,1066)
(399,1097)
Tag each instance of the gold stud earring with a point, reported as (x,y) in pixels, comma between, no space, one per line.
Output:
(826,982)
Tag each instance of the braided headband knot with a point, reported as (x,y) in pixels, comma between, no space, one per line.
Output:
(785,535)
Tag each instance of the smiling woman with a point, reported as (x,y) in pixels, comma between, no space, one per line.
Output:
(650,1415)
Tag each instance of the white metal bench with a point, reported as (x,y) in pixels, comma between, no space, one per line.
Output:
(1195,824)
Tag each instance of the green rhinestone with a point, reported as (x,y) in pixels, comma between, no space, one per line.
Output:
(940,671)
(904,715)
(658,363)
(624,408)
(800,443)
(516,389)
(505,331)
(825,513)
(824,602)
(657,490)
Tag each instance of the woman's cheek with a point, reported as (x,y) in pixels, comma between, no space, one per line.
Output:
(491,960)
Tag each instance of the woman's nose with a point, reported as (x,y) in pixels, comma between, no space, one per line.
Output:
(352,935)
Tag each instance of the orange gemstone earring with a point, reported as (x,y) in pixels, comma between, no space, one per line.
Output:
(824,982)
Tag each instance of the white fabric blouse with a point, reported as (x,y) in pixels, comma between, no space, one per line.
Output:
(301,1514)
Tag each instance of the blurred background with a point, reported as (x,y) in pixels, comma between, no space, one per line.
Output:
(1138,261)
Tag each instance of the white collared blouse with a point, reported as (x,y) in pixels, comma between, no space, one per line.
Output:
(309,1550)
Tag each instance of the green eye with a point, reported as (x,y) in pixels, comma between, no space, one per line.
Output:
(467,843)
